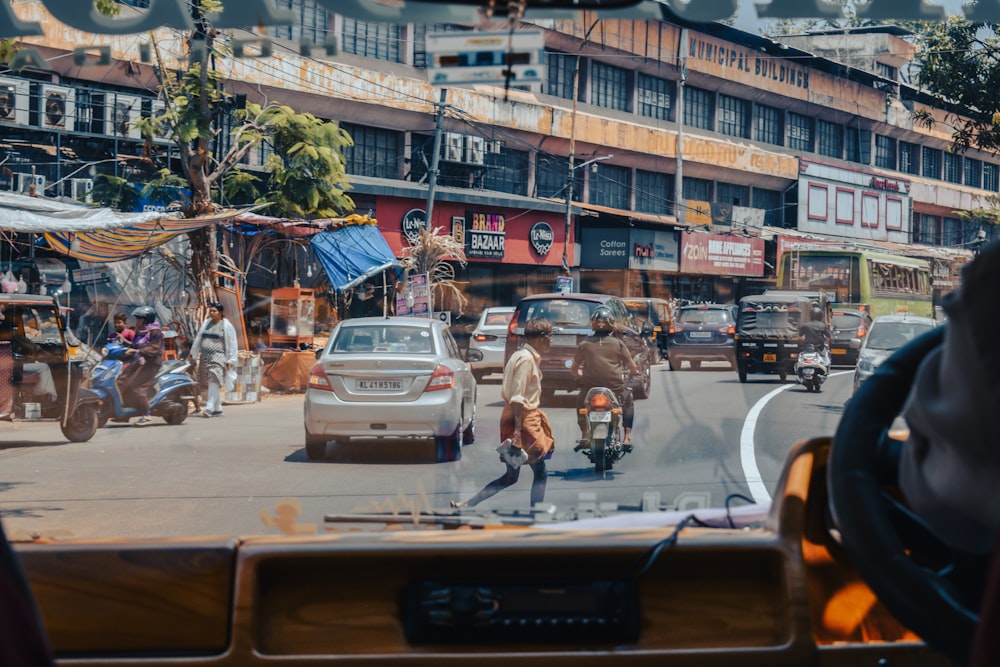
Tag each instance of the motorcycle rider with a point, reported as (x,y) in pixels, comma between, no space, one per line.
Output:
(146,356)
(815,332)
(602,360)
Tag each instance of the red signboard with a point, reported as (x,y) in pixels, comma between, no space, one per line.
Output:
(722,255)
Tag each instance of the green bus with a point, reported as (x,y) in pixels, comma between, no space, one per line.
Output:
(883,283)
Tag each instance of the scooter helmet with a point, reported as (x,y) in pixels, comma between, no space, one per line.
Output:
(602,320)
(817,313)
(145,312)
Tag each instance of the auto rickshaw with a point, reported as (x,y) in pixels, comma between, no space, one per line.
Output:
(767,333)
(41,367)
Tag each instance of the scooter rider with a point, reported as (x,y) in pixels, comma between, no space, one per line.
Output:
(815,332)
(146,356)
(602,360)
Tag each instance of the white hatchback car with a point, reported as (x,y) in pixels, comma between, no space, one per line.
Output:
(490,337)
(395,377)
(887,334)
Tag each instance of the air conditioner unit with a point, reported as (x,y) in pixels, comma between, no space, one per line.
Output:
(123,111)
(56,107)
(454,147)
(81,189)
(475,150)
(495,146)
(31,184)
(14,94)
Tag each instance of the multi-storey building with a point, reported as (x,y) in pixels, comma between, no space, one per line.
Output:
(693,149)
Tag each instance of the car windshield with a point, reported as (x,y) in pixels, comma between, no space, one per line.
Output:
(561,312)
(894,335)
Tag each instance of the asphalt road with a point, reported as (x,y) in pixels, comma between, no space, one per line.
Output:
(700,437)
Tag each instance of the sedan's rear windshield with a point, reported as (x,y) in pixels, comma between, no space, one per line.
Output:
(846,321)
(561,312)
(497,319)
(382,338)
(706,316)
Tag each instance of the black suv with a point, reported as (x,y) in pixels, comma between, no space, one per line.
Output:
(702,332)
(570,318)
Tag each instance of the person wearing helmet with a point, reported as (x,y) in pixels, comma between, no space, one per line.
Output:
(815,332)
(146,354)
(603,360)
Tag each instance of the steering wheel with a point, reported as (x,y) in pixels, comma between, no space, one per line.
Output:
(929,587)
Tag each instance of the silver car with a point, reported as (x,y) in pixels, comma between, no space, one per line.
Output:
(395,377)
(887,334)
(490,337)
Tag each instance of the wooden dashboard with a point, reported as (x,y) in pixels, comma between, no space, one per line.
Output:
(779,594)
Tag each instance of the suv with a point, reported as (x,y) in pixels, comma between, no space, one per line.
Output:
(845,324)
(702,332)
(657,312)
(570,318)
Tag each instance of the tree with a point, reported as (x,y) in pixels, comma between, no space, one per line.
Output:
(430,253)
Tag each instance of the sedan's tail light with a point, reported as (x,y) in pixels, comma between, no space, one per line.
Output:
(731,329)
(318,379)
(442,378)
(482,338)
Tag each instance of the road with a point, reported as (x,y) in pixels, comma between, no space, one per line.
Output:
(700,437)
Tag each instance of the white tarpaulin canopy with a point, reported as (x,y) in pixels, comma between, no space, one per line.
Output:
(21,213)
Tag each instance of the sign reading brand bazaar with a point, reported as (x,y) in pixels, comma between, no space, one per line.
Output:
(541,237)
(175,14)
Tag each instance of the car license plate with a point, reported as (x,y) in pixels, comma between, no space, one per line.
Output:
(599,416)
(838,350)
(373,384)
(770,358)
(564,340)
(700,334)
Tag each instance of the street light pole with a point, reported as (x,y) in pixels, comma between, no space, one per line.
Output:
(569,202)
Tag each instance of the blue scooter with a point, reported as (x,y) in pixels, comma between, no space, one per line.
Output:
(173,389)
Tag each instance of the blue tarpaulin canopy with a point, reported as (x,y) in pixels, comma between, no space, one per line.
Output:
(350,254)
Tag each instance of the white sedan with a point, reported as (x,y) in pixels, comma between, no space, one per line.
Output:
(391,377)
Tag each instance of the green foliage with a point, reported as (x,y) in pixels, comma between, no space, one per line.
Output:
(308,178)
(114,192)
(959,61)
(239,187)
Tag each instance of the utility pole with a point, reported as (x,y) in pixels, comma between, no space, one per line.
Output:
(436,158)
(679,171)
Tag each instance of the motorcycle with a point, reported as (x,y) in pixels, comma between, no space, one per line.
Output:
(603,429)
(811,368)
(170,393)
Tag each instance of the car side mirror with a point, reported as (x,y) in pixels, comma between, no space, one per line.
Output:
(855,343)
(473,354)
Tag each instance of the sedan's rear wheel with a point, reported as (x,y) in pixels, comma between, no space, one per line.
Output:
(315,446)
(469,434)
(449,447)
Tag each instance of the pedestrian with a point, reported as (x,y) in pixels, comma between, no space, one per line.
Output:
(122,334)
(146,356)
(214,349)
(522,421)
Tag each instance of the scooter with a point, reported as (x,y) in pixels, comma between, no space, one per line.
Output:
(811,368)
(173,389)
(603,429)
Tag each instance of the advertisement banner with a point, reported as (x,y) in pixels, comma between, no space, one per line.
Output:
(415,300)
(604,248)
(720,254)
(654,250)
(485,234)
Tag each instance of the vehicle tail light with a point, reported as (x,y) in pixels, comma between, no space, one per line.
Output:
(442,378)
(318,379)
(482,338)
(730,329)
(672,330)
(862,331)
(599,403)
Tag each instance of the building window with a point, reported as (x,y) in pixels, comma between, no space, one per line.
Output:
(371,40)
(550,178)
(930,162)
(311,21)
(858,145)
(698,108)
(829,139)
(560,80)
(909,157)
(952,168)
(654,193)
(991,177)
(951,231)
(768,125)
(376,152)
(885,152)
(770,202)
(887,71)
(420,32)
(610,186)
(730,193)
(696,188)
(507,171)
(655,96)
(734,116)
(927,230)
(973,172)
(609,87)
(800,132)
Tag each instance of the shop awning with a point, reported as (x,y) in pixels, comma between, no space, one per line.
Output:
(352,253)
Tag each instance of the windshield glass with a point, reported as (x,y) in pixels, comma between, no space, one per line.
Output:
(894,335)
(274,375)
(846,321)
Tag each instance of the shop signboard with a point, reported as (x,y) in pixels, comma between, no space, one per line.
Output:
(414,221)
(653,250)
(485,234)
(604,248)
(722,255)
